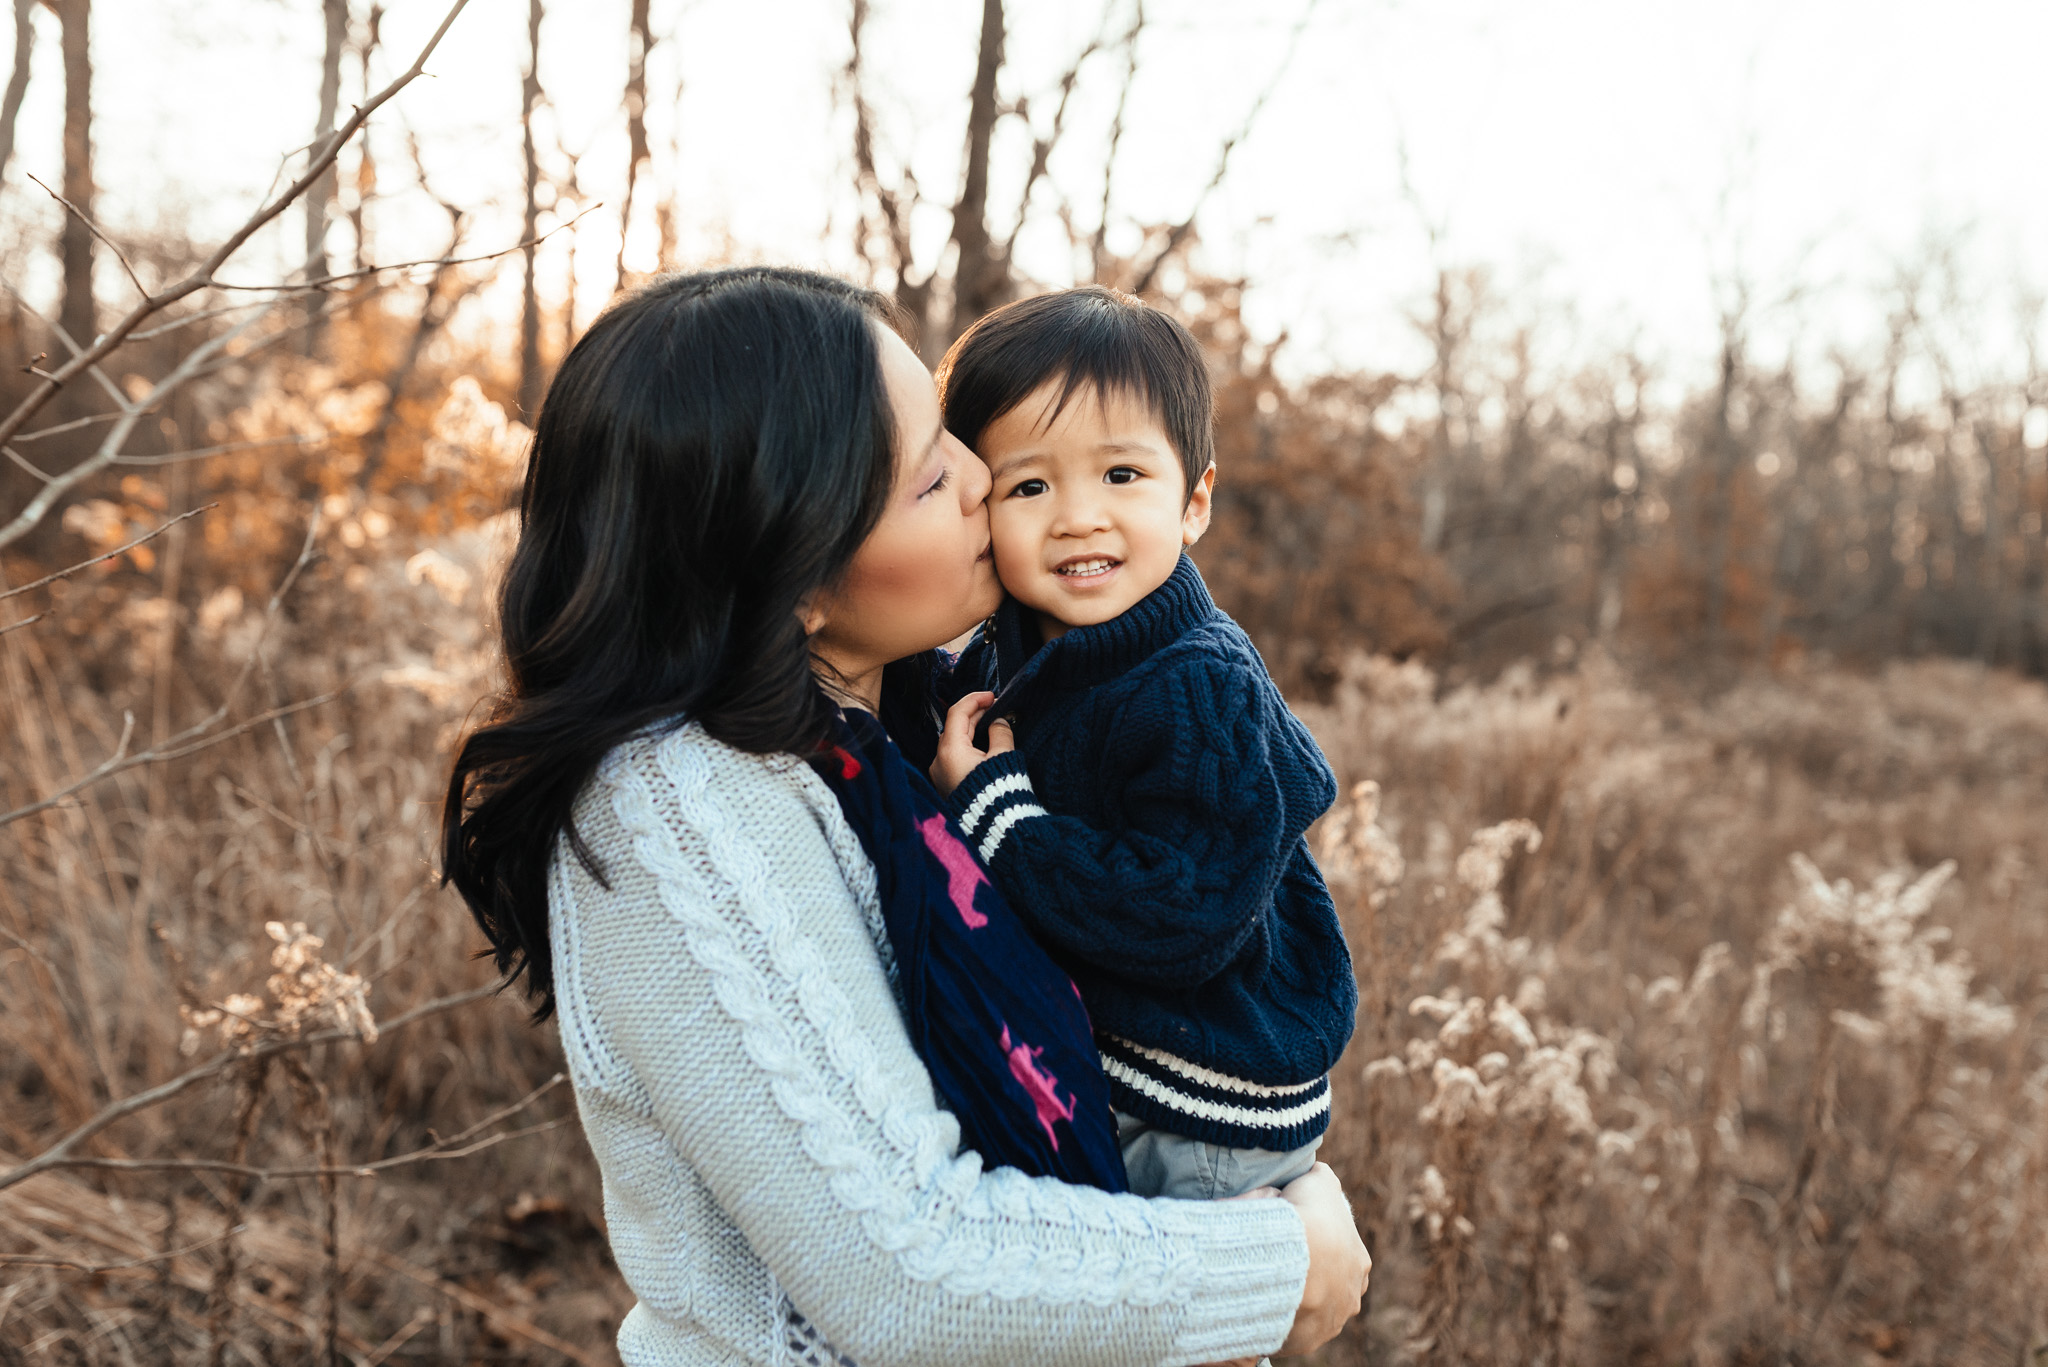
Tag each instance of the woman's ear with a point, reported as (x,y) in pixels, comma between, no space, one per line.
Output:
(811,612)
(1194,519)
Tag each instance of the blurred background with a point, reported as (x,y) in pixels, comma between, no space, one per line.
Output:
(1633,447)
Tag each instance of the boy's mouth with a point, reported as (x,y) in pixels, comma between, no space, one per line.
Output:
(1086,567)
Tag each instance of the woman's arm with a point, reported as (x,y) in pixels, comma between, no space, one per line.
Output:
(726,982)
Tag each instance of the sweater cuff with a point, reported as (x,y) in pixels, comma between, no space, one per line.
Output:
(1254,1267)
(994,797)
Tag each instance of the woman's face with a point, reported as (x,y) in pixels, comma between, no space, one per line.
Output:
(924,575)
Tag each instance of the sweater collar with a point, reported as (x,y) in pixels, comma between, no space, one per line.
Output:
(1086,656)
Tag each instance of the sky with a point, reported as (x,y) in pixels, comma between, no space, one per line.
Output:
(1608,161)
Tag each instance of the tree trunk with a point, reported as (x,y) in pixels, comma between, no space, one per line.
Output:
(529,314)
(366,165)
(638,41)
(320,198)
(1721,475)
(17,84)
(77,315)
(981,280)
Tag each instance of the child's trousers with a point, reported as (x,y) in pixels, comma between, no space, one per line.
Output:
(1159,1163)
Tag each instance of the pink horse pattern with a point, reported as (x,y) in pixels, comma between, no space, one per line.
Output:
(1040,1085)
(963,874)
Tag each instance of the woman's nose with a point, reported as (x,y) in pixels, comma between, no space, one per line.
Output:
(975,481)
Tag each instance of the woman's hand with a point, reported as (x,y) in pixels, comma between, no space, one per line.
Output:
(1338,1265)
(958,753)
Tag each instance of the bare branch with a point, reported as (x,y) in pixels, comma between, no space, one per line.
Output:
(96,1269)
(226,449)
(1116,136)
(24,622)
(441,1150)
(200,735)
(94,229)
(202,278)
(25,463)
(118,550)
(55,1155)
(1042,147)
(1178,234)
(437,262)
(110,445)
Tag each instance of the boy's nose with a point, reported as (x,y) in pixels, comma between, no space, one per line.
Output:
(1079,514)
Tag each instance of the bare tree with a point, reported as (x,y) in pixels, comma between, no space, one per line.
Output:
(17,83)
(77,315)
(639,41)
(530,378)
(366,164)
(320,199)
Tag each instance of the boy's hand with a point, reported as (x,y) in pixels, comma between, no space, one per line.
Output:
(958,753)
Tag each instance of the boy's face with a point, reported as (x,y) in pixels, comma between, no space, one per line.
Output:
(1088,513)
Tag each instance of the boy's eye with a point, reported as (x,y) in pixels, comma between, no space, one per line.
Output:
(1122,474)
(1030,488)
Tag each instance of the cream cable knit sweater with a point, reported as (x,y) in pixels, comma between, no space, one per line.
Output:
(780,1185)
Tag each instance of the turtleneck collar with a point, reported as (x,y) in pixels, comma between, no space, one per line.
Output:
(1086,656)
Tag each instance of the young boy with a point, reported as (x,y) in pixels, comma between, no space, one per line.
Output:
(1148,823)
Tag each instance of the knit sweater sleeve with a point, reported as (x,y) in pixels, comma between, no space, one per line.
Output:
(726,988)
(1167,889)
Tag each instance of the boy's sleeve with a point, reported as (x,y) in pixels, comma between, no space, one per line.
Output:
(1167,895)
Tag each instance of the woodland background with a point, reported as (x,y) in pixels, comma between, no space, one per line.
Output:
(1693,866)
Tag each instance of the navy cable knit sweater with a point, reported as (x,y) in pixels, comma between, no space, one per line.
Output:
(1149,827)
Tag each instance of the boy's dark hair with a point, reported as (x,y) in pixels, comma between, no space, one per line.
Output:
(1090,337)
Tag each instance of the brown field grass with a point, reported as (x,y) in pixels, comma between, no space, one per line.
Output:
(1630,1085)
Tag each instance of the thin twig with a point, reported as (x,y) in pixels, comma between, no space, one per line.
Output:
(56,429)
(227,448)
(438,262)
(118,550)
(202,278)
(196,737)
(24,462)
(24,622)
(430,1154)
(94,229)
(57,1153)
(95,1269)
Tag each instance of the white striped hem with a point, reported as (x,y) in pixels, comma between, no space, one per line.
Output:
(1209,1077)
(989,796)
(1216,1111)
(1000,827)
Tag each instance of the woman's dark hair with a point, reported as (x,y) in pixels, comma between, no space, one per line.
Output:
(709,455)
(1085,338)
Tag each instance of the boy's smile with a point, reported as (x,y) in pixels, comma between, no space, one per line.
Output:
(1089,509)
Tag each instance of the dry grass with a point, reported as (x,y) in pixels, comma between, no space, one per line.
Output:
(1634,1081)
(1630,1083)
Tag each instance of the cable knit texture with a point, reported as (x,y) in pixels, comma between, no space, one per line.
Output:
(1150,826)
(780,1185)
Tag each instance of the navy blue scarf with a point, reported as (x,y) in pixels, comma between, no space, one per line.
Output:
(1000,1027)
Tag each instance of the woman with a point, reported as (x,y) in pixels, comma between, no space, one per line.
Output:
(739,495)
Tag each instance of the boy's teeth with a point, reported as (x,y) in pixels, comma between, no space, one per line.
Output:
(1085,567)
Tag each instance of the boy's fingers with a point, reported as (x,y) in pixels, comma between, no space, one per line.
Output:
(1000,736)
(964,714)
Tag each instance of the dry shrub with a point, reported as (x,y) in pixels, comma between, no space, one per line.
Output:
(277,886)
(1634,1081)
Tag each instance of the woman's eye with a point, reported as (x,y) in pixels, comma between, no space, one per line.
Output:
(945,478)
(1030,488)
(1122,474)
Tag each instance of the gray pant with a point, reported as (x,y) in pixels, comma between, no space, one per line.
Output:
(1160,1163)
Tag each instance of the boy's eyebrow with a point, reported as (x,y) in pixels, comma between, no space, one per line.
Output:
(1011,462)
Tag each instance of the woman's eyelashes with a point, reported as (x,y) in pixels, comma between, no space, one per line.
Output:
(945,478)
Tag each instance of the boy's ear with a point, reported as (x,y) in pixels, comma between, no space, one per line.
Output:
(1194,519)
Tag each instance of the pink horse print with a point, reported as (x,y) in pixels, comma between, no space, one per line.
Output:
(1040,1085)
(963,875)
